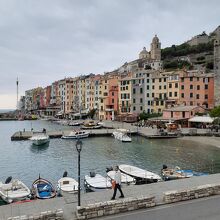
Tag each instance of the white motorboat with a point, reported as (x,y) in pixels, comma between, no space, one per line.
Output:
(76,134)
(141,175)
(14,191)
(40,139)
(125,179)
(122,135)
(97,182)
(74,123)
(67,185)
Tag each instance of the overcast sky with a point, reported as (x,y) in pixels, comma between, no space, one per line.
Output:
(45,40)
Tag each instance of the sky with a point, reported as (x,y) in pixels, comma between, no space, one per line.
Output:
(46,40)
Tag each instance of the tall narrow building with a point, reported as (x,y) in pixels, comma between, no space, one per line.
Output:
(217,71)
(156,48)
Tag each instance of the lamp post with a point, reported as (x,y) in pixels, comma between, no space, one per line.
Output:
(79,148)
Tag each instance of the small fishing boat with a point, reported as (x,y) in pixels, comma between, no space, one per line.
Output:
(40,139)
(161,134)
(74,123)
(97,182)
(122,135)
(177,173)
(43,189)
(14,190)
(76,134)
(90,124)
(125,179)
(67,185)
(141,175)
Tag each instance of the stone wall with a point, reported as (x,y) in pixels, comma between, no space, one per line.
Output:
(114,207)
(47,215)
(194,193)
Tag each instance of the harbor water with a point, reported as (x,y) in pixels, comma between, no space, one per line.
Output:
(22,160)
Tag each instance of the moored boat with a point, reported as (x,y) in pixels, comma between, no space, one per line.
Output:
(97,182)
(43,189)
(141,175)
(75,134)
(177,173)
(14,190)
(40,139)
(125,179)
(67,185)
(122,135)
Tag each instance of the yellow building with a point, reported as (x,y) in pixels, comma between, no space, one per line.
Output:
(159,92)
(125,95)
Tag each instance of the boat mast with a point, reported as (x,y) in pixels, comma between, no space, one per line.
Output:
(17,93)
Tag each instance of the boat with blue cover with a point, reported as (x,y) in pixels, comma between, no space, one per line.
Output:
(177,173)
(43,189)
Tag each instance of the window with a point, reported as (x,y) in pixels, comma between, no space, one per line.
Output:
(191,103)
(141,108)
(148,102)
(142,80)
(170,85)
(159,87)
(197,96)
(206,86)
(148,87)
(175,94)
(191,95)
(165,87)
(133,100)
(198,87)
(160,96)
(191,86)
(160,80)
(182,87)
(141,100)
(206,96)
(182,79)
(113,101)
(141,90)
(134,81)
(170,94)
(112,93)
(134,108)
(153,80)
(197,78)
(148,95)
(152,95)
(126,87)
(148,80)
(161,102)
(134,90)
(176,85)
(152,87)
(191,79)
(182,95)
(164,79)
(157,103)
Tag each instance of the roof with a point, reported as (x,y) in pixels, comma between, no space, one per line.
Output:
(204,119)
(185,108)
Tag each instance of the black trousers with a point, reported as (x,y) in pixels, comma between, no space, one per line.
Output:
(117,186)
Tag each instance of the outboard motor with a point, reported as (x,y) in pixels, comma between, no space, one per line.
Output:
(8,180)
(65,174)
(164,167)
(92,174)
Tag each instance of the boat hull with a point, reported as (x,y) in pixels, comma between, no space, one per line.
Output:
(43,189)
(75,136)
(67,185)
(14,192)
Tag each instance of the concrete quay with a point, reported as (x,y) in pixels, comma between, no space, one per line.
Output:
(159,191)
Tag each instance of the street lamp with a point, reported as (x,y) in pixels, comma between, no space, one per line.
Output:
(79,148)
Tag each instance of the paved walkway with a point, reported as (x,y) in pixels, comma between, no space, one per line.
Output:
(69,203)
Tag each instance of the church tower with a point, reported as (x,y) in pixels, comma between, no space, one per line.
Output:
(144,54)
(156,49)
(217,71)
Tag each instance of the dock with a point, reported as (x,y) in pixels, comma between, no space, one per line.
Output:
(25,135)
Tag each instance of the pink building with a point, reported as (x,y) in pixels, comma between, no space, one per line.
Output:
(181,114)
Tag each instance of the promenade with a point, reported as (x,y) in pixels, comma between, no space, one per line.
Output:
(69,203)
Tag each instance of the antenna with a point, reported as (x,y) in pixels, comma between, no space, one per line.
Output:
(17,91)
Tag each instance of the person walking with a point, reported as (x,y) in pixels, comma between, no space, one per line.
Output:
(117,180)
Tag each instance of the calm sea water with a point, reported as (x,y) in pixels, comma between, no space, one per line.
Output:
(24,161)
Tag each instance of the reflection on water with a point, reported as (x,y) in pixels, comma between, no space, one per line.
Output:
(24,161)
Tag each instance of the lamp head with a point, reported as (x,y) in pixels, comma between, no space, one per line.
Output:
(79,145)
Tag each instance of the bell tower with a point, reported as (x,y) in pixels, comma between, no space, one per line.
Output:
(217,71)
(156,49)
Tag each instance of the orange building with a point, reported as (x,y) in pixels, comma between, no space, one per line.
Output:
(196,89)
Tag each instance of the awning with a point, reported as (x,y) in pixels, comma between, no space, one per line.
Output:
(202,119)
